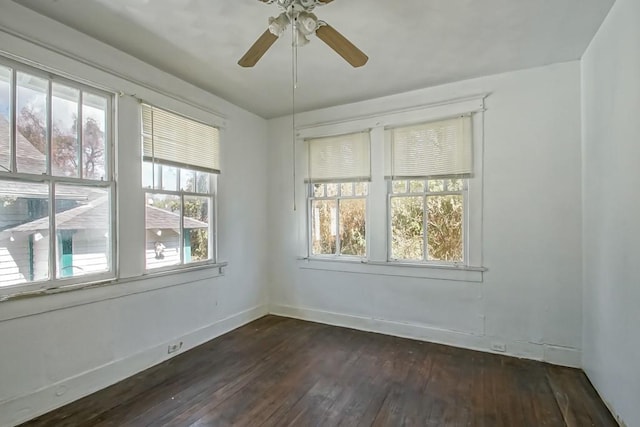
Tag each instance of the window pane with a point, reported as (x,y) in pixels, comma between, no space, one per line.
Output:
(203,182)
(94,119)
(169,178)
(318,190)
(196,229)
(24,241)
(5,119)
(31,111)
(332,190)
(407,225)
(187,180)
(436,185)
(455,185)
(147,175)
(323,239)
(362,188)
(416,186)
(64,130)
(83,232)
(444,228)
(352,227)
(399,186)
(346,189)
(162,230)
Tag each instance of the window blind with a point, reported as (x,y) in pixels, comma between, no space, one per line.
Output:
(340,158)
(177,141)
(435,149)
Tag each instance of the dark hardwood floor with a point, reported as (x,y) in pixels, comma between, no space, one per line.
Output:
(278,371)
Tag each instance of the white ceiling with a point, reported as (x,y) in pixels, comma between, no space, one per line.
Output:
(411,43)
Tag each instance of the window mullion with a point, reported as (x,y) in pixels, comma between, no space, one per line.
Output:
(13,164)
(425,224)
(337,230)
(181,239)
(52,234)
(49,125)
(80,134)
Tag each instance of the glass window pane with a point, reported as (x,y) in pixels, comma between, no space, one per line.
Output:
(203,182)
(352,227)
(64,130)
(416,186)
(31,111)
(24,239)
(346,189)
(94,121)
(169,178)
(5,119)
(83,231)
(318,190)
(196,229)
(147,175)
(187,180)
(362,188)
(162,226)
(444,228)
(436,185)
(323,239)
(399,186)
(332,190)
(455,185)
(407,236)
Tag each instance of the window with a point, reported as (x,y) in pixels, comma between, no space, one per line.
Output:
(430,164)
(338,218)
(434,205)
(56,180)
(181,163)
(339,168)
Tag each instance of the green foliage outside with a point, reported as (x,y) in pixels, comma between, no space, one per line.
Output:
(352,227)
(444,228)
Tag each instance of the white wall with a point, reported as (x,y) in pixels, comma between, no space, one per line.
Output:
(531,296)
(57,348)
(611,150)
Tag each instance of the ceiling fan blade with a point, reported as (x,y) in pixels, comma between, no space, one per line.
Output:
(325,1)
(341,45)
(258,49)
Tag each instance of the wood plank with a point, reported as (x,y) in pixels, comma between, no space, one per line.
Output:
(278,371)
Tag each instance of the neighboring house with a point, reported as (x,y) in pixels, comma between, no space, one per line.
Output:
(82,225)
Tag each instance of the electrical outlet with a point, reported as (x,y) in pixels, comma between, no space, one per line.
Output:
(174,347)
(499,346)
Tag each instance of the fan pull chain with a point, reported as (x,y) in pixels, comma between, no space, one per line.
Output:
(294,85)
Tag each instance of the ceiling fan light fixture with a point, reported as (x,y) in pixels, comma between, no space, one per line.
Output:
(279,24)
(307,23)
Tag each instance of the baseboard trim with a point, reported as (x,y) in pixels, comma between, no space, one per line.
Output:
(557,355)
(26,407)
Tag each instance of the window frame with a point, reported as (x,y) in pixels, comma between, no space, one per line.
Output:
(310,199)
(211,195)
(109,183)
(378,259)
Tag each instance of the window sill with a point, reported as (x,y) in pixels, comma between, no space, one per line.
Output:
(382,268)
(29,303)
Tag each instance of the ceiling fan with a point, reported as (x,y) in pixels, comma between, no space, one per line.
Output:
(305,23)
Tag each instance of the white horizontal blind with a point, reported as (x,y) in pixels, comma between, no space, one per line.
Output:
(435,149)
(177,141)
(340,158)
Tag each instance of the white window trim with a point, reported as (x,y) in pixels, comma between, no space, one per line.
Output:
(51,284)
(212,195)
(378,230)
(128,218)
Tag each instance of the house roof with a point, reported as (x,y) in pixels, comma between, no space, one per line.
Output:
(96,212)
(29,158)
